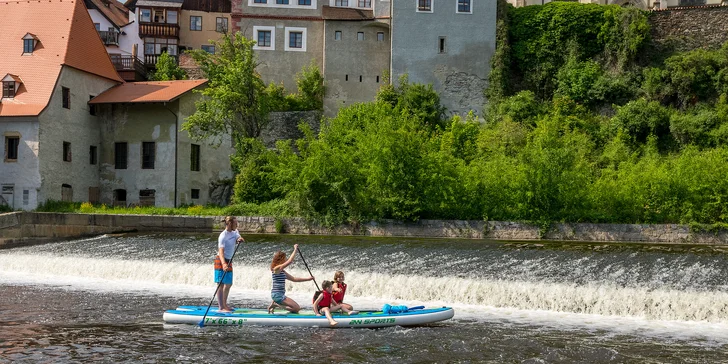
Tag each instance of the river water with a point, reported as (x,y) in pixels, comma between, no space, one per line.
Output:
(102,299)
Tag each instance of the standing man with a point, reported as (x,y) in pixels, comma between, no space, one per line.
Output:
(223,264)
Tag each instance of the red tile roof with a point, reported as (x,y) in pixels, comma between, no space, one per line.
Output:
(66,36)
(112,10)
(146,92)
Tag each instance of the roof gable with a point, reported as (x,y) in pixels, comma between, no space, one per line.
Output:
(114,11)
(65,34)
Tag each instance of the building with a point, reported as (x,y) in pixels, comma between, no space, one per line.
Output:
(53,62)
(147,159)
(119,30)
(73,130)
(452,52)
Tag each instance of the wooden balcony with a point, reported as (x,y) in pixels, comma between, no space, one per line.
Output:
(128,67)
(109,37)
(158,30)
(150,60)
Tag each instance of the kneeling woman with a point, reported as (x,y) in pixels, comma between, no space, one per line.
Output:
(278,291)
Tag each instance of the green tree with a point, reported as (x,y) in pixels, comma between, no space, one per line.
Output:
(311,89)
(235,101)
(167,69)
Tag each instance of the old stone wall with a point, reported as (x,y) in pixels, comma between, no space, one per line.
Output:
(683,29)
(284,125)
(30,227)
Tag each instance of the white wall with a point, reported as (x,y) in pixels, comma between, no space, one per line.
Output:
(23,174)
(131,37)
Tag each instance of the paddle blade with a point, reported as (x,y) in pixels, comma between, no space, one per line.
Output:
(201,323)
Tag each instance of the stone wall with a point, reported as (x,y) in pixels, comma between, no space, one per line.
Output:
(284,125)
(31,227)
(683,29)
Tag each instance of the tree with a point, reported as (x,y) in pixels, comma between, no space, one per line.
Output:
(167,69)
(311,90)
(235,102)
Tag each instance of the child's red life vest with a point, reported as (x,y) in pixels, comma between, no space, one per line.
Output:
(325,300)
(339,296)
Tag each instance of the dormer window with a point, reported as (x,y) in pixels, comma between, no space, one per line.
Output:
(10,84)
(29,43)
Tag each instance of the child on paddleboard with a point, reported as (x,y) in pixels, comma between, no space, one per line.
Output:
(325,303)
(278,290)
(339,290)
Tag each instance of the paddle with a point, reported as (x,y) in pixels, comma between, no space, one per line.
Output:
(202,322)
(318,290)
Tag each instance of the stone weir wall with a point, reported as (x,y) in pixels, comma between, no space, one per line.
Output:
(28,227)
(684,29)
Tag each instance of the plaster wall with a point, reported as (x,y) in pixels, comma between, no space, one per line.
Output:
(354,69)
(74,125)
(131,37)
(382,8)
(249,7)
(195,39)
(23,174)
(459,73)
(281,65)
(98,18)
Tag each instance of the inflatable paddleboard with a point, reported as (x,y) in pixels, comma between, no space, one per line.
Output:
(246,316)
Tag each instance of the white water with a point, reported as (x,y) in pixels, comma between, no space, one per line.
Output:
(682,312)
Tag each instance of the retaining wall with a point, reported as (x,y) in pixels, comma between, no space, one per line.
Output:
(27,227)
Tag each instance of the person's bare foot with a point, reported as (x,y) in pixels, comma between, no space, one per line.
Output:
(272,308)
(225,311)
(333,323)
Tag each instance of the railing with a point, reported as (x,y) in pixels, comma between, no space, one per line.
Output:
(126,63)
(150,60)
(109,37)
(158,29)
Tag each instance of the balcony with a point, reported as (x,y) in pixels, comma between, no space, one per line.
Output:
(110,37)
(129,68)
(150,60)
(158,30)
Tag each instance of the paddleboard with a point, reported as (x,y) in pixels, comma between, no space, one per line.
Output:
(306,318)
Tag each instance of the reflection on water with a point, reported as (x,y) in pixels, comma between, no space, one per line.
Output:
(103,298)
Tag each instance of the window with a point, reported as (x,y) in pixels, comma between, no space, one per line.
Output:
(341,3)
(209,49)
(26,197)
(441,45)
(304,2)
(171,17)
(120,197)
(337,35)
(146,15)
(66,151)
(195,193)
(146,197)
(195,158)
(196,23)
(98,26)
(380,36)
(92,155)
(91,108)
(365,3)
(9,89)
(66,193)
(121,151)
(11,148)
(295,39)
(221,25)
(424,5)
(260,1)
(158,16)
(464,6)
(377,79)
(160,45)
(148,151)
(360,78)
(28,45)
(282,2)
(94,195)
(66,95)
(346,78)
(264,38)
(360,36)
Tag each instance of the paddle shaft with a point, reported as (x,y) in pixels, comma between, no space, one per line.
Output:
(309,270)
(224,272)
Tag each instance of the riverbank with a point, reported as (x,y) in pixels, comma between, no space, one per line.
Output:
(17,228)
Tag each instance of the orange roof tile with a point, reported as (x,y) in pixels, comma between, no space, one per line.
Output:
(143,92)
(112,10)
(66,36)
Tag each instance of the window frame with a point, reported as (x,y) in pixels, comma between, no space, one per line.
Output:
(9,148)
(218,24)
(292,4)
(302,31)
(380,36)
(195,157)
(93,154)
(193,195)
(207,48)
(141,16)
(423,9)
(360,36)
(66,97)
(67,152)
(149,155)
(200,23)
(338,35)
(8,91)
(28,46)
(118,163)
(272,30)
(458,4)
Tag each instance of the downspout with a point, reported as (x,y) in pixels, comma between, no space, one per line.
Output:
(176,145)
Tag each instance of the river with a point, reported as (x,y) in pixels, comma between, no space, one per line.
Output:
(102,299)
